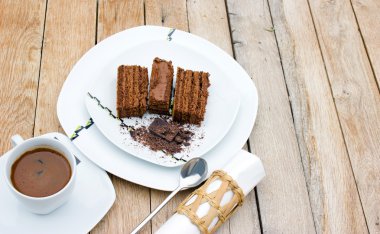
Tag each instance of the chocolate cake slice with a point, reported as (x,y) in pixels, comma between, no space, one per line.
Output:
(132,91)
(161,82)
(190,98)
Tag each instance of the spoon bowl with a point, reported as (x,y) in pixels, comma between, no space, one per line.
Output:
(193,173)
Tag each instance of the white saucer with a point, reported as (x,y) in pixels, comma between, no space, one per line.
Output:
(93,196)
(76,121)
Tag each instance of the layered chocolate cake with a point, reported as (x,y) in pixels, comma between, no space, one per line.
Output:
(190,98)
(132,91)
(161,82)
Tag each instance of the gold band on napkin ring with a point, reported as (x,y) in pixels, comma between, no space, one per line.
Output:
(217,214)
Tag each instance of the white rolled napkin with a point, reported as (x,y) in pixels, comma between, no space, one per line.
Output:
(247,171)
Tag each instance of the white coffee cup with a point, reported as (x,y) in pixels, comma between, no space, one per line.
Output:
(40,205)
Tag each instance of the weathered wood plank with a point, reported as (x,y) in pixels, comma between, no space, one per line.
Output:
(172,14)
(368,17)
(356,98)
(132,203)
(156,198)
(62,48)
(283,196)
(117,15)
(21,34)
(168,13)
(334,198)
(209,20)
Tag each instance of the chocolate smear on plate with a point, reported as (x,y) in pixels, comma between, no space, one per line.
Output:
(163,135)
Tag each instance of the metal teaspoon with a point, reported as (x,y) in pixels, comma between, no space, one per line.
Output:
(192,174)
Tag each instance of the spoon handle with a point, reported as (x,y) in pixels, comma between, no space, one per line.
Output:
(149,217)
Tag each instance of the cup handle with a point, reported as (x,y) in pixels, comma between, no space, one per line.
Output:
(16,140)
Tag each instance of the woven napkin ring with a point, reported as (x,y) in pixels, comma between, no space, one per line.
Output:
(213,198)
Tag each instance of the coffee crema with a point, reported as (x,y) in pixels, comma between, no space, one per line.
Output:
(40,172)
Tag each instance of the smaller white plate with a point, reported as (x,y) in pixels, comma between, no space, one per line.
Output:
(93,196)
(222,105)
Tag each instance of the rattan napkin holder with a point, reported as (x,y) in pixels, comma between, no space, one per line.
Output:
(213,203)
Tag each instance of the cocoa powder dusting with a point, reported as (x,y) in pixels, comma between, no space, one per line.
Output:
(163,135)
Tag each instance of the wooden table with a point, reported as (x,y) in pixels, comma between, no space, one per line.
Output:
(317,69)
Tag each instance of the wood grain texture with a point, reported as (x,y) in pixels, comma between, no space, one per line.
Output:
(157,197)
(209,20)
(21,33)
(283,196)
(132,205)
(133,201)
(356,98)
(62,47)
(368,17)
(168,13)
(117,15)
(334,198)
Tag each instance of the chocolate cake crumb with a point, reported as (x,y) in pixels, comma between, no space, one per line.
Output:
(163,135)
(163,129)
(178,139)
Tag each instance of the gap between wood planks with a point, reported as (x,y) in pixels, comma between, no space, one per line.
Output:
(247,143)
(96,22)
(368,21)
(340,120)
(257,52)
(365,46)
(255,191)
(39,70)
(336,110)
(287,91)
(349,71)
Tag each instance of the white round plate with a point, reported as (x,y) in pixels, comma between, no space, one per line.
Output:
(75,119)
(92,197)
(222,106)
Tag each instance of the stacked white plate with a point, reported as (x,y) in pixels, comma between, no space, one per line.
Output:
(89,119)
